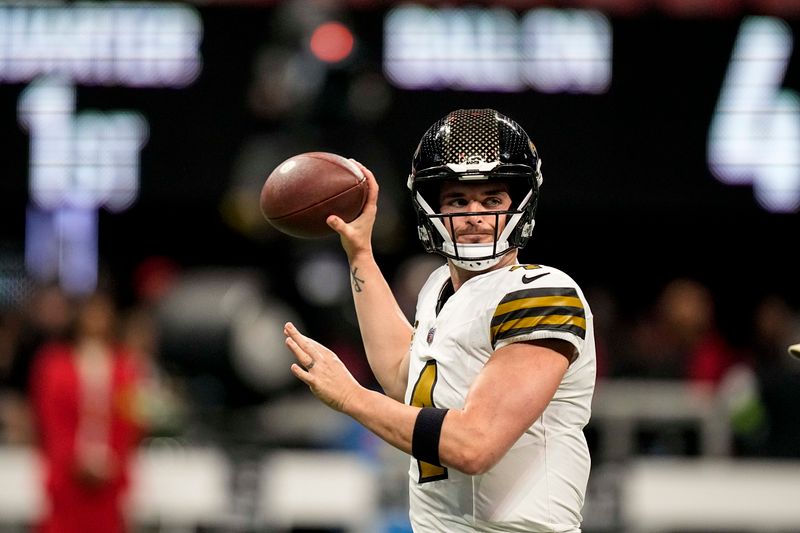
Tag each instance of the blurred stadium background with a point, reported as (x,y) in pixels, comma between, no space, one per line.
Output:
(136,137)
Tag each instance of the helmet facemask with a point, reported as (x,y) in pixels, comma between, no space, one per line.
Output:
(475,146)
(436,229)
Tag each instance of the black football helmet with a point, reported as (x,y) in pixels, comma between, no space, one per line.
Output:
(474,145)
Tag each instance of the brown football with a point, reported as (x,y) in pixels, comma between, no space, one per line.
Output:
(303,191)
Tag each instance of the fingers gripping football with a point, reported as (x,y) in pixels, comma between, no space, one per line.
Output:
(356,235)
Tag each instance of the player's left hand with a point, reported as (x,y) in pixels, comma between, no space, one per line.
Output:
(320,369)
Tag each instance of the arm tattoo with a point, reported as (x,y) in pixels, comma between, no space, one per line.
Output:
(356,280)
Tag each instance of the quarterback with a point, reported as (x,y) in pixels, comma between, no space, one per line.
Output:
(490,389)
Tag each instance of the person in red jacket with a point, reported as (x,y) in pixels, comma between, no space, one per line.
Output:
(83,395)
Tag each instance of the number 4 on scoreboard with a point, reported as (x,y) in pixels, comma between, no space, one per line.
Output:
(754,137)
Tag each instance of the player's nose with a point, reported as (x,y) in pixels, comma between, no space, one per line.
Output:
(474,218)
(476,207)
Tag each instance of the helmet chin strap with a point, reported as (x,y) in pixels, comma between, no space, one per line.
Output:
(476,266)
(475,257)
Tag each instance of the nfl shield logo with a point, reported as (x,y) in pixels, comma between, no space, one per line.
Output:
(430,335)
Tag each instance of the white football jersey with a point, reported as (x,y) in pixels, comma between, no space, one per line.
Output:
(539,485)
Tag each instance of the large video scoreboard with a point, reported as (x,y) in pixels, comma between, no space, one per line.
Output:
(669,140)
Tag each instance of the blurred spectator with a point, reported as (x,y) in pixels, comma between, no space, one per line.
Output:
(160,400)
(44,317)
(83,393)
(775,326)
(606,326)
(679,340)
(775,432)
(13,414)
(9,331)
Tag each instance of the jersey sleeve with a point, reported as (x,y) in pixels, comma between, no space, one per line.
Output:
(539,313)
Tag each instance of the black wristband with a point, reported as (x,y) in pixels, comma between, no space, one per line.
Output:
(427,430)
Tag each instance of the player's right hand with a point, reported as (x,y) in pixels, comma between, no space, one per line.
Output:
(356,237)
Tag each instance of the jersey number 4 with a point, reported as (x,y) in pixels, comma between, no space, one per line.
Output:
(422,396)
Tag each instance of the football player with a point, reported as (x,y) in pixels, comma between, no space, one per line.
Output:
(490,389)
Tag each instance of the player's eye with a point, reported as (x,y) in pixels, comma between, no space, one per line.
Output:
(492,201)
(457,202)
